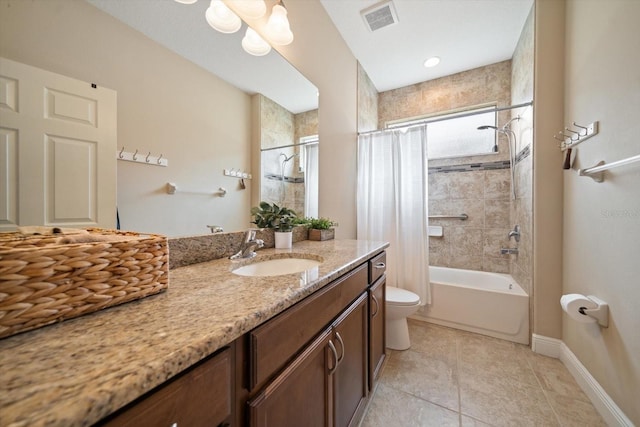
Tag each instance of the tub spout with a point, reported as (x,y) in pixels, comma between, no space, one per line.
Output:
(509,251)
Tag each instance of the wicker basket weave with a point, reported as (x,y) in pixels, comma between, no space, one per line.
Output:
(43,281)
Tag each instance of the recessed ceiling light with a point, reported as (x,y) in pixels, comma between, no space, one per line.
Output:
(432,62)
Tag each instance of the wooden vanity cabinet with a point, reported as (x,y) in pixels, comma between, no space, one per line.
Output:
(201,396)
(326,384)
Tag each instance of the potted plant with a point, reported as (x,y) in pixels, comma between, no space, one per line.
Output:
(280,219)
(321,229)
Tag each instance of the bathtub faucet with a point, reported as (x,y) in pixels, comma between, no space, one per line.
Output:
(509,251)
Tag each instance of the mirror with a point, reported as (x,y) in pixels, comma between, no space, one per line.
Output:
(166,105)
(285,101)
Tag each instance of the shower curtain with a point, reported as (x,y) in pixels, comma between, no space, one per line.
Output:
(311,181)
(392,203)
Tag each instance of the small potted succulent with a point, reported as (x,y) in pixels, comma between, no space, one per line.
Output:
(280,219)
(321,228)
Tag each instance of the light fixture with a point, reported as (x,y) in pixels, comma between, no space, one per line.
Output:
(221,18)
(252,8)
(253,44)
(277,29)
(432,62)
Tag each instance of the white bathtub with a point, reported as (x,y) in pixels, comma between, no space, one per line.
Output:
(486,303)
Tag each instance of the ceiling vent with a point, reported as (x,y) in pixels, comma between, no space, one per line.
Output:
(380,15)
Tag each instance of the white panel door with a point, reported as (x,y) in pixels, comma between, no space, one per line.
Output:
(57,139)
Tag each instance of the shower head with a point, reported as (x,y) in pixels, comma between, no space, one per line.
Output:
(286,159)
(484,127)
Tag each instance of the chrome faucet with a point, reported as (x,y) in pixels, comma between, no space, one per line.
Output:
(515,233)
(249,243)
(509,251)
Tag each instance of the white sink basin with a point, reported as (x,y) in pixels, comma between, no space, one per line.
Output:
(276,267)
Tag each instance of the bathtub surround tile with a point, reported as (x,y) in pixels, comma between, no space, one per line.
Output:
(494,240)
(496,265)
(497,213)
(499,383)
(497,184)
(439,186)
(465,241)
(469,262)
(466,185)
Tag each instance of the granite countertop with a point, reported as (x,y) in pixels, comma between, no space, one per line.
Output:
(76,372)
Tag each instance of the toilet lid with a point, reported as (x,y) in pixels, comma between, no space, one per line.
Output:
(399,296)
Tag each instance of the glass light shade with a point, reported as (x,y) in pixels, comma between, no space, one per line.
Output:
(255,45)
(187,1)
(252,8)
(277,29)
(221,18)
(432,62)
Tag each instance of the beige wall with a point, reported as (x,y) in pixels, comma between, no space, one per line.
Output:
(602,220)
(166,105)
(547,168)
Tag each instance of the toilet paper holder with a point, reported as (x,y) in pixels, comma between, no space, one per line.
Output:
(600,313)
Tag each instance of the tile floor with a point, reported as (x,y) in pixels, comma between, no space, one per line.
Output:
(455,378)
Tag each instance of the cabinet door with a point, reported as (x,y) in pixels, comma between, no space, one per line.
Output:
(350,377)
(377,345)
(301,394)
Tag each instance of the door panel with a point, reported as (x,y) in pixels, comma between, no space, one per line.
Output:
(65,167)
(8,179)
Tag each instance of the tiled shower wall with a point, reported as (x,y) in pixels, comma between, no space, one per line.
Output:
(473,244)
(522,207)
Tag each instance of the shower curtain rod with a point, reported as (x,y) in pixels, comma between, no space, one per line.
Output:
(287,146)
(456,116)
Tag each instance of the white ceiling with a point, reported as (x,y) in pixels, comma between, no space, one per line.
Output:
(465,34)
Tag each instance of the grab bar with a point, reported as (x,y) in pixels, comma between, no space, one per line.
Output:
(461,217)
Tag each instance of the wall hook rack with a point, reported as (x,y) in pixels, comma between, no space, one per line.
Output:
(141,158)
(576,136)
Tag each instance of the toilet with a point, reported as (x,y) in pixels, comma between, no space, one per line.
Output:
(400,304)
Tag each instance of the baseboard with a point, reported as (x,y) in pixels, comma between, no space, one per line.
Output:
(603,403)
(546,346)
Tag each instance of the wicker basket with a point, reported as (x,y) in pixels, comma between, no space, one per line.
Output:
(43,281)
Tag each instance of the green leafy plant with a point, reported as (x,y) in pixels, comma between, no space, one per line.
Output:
(269,215)
(321,223)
